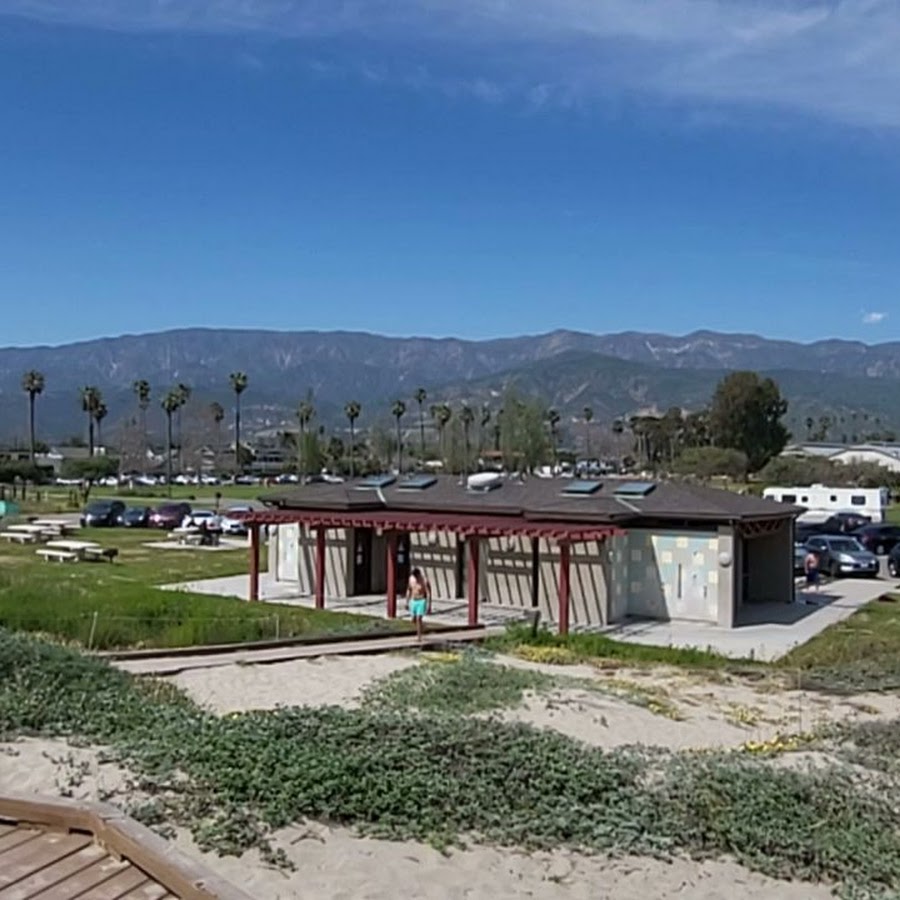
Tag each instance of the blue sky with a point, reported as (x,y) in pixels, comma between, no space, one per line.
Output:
(452,167)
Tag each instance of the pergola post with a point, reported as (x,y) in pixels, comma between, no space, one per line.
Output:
(564,557)
(473,554)
(254,562)
(535,571)
(320,567)
(392,574)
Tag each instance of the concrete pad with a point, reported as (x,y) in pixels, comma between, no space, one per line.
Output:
(770,631)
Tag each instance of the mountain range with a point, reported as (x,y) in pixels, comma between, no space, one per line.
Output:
(615,374)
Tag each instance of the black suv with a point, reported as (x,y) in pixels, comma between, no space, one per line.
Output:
(878,539)
(102,513)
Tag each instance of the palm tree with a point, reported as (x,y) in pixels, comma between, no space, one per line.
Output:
(100,412)
(553,418)
(32,384)
(217,411)
(238,385)
(810,421)
(588,415)
(306,412)
(182,394)
(483,424)
(171,403)
(352,411)
(421,395)
(441,413)
(397,411)
(90,399)
(141,389)
(467,417)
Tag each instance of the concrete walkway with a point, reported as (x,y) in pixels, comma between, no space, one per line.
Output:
(444,612)
(765,631)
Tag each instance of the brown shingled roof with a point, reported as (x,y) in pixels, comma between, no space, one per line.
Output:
(539,499)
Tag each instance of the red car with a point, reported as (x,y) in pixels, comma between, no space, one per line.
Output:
(169,515)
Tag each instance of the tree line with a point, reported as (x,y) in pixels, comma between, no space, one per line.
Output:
(739,432)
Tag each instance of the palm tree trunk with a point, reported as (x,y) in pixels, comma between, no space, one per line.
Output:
(399,449)
(31,424)
(90,434)
(422,431)
(169,453)
(302,450)
(237,433)
(352,450)
(99,435)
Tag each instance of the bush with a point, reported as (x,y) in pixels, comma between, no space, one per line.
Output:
(12,471)
(706,462)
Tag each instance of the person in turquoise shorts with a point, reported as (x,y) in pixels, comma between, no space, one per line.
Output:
(418,599)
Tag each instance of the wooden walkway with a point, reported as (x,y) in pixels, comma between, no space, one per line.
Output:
(248,655)
(57,850)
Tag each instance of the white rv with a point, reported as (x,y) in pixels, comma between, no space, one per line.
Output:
(822,501)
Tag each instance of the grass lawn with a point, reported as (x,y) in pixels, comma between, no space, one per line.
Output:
(56,499)
(860,654)
(132,611)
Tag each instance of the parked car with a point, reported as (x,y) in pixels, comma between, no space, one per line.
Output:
(204,517)
(231,525)
(169,515)
(879,539)
(843,555)
(136,517)
(800,553)
(839,523)
(102,513)
(893,562)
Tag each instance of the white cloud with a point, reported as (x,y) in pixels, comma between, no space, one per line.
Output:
(873,318)
(836,59)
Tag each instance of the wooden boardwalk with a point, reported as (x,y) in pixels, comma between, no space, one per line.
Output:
(248,655)
(59,850)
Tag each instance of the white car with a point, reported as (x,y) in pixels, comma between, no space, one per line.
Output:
(234,526)
(208,517)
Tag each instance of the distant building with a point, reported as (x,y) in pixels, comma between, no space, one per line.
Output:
(882,454)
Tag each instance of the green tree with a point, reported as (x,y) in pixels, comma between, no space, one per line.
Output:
(306,412)
(33,385)
(91,398)
(707,462)
(523,433)
(88,471)
(746,415)
(398,410)
(352,411)
(171,403)
(238,382)
(421,395)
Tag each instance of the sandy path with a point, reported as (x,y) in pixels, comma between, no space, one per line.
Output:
(721,711)
(333,864)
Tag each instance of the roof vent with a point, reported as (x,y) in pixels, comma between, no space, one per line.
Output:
(582,488)
(635,488)
(484,481)
(376,482)
(417,483)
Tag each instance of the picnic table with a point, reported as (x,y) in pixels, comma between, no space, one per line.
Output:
(60,526)
(21,537)
(63,550)
(26,529)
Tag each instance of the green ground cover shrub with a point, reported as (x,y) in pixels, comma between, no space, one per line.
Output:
(443,778)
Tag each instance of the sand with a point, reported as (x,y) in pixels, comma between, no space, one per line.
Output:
(334,864)
(691,711)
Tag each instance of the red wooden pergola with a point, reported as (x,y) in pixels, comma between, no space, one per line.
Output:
(391,523)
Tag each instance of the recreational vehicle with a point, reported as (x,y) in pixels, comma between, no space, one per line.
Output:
(822,501)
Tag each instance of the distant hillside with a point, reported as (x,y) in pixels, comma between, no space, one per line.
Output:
(615,374)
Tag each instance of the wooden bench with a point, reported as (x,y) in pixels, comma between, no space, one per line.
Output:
(23,537)
(100,553)
(57,555)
